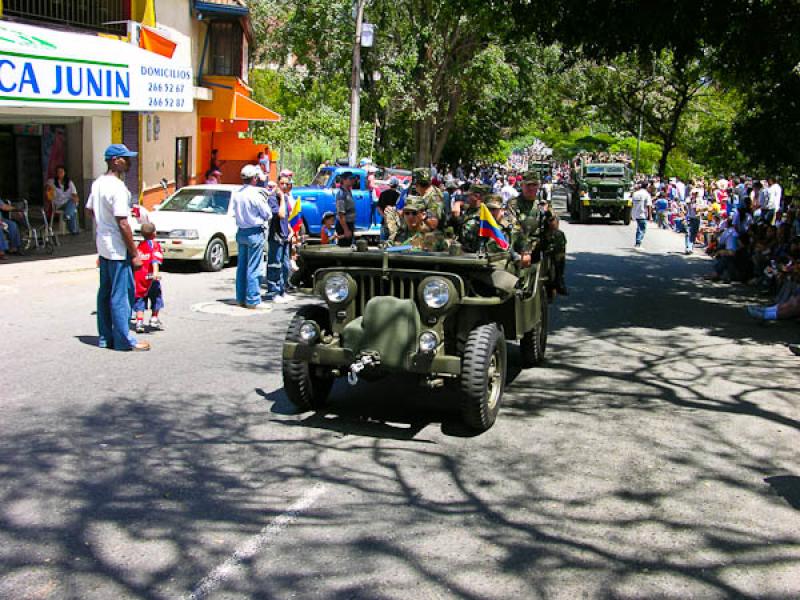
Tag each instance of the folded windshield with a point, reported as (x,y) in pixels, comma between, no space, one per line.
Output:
(207,201)
(605,171)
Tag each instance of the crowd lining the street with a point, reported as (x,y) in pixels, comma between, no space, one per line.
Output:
(746,224)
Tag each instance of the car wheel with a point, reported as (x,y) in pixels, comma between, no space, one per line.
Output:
(533,344)
(483,376)
(216,255)
(304,388)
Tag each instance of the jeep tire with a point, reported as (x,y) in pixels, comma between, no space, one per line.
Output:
(533,345)
(585,214)
(483,376)
(626,216)
(305,389)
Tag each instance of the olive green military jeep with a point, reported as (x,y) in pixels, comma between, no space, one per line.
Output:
(440,317)
(602,188)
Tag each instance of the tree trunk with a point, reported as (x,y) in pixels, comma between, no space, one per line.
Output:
(423,139)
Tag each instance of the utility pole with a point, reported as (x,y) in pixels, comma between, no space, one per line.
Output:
(355,87)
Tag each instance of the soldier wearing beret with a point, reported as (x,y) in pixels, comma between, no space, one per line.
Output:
(431,196)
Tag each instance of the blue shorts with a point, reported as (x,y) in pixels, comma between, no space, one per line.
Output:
(154,298)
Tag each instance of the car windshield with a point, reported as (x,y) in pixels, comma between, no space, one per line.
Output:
(194,200)
(605,170)
(321,179)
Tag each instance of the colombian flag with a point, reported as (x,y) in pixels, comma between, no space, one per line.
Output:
(295,217)
(490,228)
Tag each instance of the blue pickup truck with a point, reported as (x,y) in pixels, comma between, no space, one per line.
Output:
(319,197)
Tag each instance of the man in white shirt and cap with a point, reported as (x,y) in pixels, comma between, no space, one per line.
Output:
(252,214)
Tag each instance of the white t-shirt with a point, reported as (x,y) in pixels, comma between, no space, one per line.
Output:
(62,196)
(642,200)
(508,192)
(774,192)
(109,199)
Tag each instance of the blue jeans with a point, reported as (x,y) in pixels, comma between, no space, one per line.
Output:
(248,268)
(278,255)
(71,217)
(691,233)
(114,300)
(641,227)
(14,240)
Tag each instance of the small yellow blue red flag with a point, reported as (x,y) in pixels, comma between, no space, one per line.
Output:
(296,217)
(490,229)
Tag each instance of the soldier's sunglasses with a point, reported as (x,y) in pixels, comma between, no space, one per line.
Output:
(412,213)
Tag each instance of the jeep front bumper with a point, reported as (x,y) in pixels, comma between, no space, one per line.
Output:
(330,355)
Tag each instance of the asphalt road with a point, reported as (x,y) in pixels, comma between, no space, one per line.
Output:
(655,455)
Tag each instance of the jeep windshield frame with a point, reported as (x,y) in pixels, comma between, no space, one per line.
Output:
(603,171)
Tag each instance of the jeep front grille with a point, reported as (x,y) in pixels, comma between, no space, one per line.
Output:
(399,285)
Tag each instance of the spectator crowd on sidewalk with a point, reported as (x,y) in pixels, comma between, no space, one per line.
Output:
(747,225)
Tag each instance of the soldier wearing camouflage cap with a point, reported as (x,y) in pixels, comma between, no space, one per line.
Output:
(431,195)
(413,229)
(525,212)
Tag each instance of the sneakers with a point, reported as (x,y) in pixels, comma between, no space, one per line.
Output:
(280,300)
(156,323)
(756,312)
(260,306)
(139,327)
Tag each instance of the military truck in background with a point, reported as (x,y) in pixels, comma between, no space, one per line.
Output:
(542,169)
(441,317)
(601,188)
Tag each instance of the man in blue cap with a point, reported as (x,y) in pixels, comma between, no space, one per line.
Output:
(109,205)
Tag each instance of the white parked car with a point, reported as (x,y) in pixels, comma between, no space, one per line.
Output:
(197,223)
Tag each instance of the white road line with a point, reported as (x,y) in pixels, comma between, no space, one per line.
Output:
(255,544)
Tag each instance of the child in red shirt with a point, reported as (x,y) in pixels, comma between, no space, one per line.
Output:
(148,279)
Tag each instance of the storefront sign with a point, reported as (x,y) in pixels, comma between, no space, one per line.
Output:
(44,68)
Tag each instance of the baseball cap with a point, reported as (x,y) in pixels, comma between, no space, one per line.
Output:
(250,171)
(117,150)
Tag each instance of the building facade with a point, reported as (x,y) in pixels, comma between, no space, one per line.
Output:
(166,77)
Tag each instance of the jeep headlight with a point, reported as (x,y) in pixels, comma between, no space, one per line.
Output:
(184,234)
(309,332)
(428,341)
(594,190)
(620,191)
(436,293)
(336,288)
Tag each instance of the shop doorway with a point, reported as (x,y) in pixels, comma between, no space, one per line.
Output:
(182,145)
(30,176)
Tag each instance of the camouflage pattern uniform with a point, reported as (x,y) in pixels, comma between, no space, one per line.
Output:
(526,218)
(432,198)
(422,239)
(470,231)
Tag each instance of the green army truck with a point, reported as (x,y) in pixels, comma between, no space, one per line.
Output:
(541,168)
(439,317)
(601,188)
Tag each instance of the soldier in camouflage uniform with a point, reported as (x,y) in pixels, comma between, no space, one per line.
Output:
(555,245)
(461,213)
(414,231)
(524,213)
(470,231)
(431,196)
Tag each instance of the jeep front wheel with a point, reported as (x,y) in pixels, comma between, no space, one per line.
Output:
(306,389)
(533,344)
(626,216)
(483,376)
(585,214)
